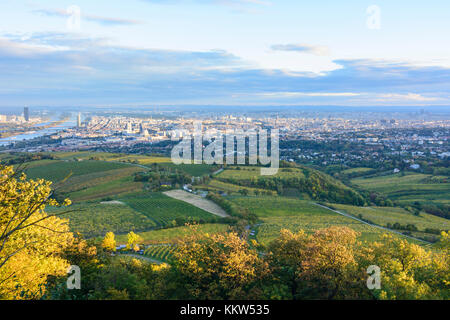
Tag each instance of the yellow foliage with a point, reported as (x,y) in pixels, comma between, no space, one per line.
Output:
(31,242)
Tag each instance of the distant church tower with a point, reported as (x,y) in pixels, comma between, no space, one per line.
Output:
(79,120)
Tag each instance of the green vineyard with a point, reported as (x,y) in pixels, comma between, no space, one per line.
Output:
(160,252)
(164,210)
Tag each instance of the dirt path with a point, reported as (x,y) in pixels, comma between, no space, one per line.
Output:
(197,201)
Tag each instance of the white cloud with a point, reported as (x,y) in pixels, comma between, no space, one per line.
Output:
(303,48)
(88,17)
(403,97)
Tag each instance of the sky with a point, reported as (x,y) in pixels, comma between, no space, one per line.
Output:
(224,52)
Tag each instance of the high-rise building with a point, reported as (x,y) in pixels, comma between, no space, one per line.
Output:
(79,120)
(26,113)
(129,128)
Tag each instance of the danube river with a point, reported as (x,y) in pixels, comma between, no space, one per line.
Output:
(71,122)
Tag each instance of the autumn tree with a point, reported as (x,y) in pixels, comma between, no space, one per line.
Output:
(317,266)
(409,271)
(31,241)
(220,266)
(133,241)
(109,242)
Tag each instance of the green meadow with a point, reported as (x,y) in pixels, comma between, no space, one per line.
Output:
(407,187)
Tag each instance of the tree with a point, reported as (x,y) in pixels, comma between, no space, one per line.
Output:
(133,241)
(318,266)
(221,266)
(408,271)
(31,241)
(109,242)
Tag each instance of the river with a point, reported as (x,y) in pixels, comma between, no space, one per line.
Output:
(71,122)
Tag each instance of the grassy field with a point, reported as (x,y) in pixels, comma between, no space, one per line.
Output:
(93,179)
(163,210)
(267,206)
(271,226)
(112,177)
(356,170)
(96,219)
(406,188)
(216,185)
(105,156)
(89,180)
(112,189)
(294,214)
(249,173)
(195,170)
(172,235)
(384,215)
(57,170)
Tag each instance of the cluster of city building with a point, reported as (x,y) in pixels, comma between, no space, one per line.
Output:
(20,119)
(370,137)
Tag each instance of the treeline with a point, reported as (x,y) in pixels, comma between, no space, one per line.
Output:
(437,209)
(316,184)
(328,264)
(240,215)
(20,158)
(162,177)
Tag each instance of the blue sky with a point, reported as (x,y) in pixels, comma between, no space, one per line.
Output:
(224,52)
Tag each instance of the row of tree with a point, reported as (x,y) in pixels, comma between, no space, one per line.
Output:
(328,264)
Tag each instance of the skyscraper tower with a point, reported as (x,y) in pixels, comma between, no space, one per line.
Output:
(79,120)
(26,113)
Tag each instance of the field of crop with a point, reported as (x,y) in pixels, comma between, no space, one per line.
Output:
(164,210)
(384,215)
(172,235)
(93,179)
(105,156)
(95,219)
(356,170)
(110,189)
(278,213)
(406,188)
(216,185)
(249,173)
(58,170)
(195,170)
(270,229)
(279,206)
(160,252)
